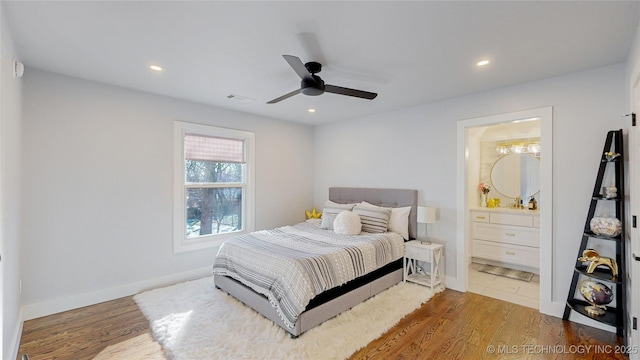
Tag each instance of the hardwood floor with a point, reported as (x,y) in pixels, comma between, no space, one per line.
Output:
(456,325)
(111,330)
(452,325)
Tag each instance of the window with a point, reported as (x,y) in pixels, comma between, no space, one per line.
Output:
(213,194)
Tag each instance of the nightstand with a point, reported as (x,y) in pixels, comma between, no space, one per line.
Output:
(415,251)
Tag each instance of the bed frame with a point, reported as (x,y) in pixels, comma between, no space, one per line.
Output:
(362,288)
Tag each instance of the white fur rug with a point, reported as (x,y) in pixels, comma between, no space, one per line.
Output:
(194,320)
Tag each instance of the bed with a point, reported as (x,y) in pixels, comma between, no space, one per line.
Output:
(379,267)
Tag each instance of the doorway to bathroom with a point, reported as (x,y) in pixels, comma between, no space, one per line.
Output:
(504,169)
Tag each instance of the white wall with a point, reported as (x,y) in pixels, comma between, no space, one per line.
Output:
(416,148)
(10,151)
(98,192)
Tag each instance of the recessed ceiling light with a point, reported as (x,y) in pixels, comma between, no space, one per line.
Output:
(483,63)
(311,110)
(155,67)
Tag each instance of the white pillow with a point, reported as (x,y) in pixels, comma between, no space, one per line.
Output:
(399,219)
(347,223)
(370,205)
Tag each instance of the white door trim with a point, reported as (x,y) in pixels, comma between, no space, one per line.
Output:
(546,211)
(633,146)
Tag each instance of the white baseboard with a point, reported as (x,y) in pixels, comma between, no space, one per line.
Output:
(17,335)
(557,309)
(32,311)
(453,283)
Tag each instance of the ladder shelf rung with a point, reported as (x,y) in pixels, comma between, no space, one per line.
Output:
(600,274)
(610,317)
(598,198)
(591,234)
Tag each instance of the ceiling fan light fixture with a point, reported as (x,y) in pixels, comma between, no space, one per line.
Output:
(311,84)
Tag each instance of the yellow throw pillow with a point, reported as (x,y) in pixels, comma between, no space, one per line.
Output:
(314,214)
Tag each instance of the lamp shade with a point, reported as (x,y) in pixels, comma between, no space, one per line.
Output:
(426,214)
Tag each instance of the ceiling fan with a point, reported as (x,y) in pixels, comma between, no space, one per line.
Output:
(313,85)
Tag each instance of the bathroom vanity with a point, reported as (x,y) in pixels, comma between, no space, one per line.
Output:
(506,236)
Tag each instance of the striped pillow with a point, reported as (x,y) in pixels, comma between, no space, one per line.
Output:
(374,220)
(330,211)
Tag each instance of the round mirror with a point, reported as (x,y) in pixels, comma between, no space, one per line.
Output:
(516,175)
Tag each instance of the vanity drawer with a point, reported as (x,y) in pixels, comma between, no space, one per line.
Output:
(514,254)
(478,216)
(510,219)
(507,234)
(536,221)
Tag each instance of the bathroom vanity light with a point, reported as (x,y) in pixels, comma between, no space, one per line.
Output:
(503,149)
(518,147)
(533,148)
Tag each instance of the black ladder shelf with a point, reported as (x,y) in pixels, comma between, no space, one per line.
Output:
(614,316)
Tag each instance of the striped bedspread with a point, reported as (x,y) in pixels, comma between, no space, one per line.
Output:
(292,264)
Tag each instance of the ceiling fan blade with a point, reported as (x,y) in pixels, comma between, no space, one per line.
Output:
(285,96)
(298,66)
(350,92)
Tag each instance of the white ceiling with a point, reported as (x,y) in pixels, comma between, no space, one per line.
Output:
(410,53)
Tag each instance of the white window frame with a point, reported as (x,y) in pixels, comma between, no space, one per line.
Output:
(180,241)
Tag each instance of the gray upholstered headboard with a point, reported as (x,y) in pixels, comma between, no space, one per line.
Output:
(381,197)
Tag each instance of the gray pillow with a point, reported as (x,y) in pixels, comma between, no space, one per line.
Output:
(374,220)
(330,211)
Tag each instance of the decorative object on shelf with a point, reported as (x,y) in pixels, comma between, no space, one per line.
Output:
(609,192)
(493,203)
(610,155)
(314,214)
(605,225)
(595,260)
(484,189)
(533,204)
(517,203)
(426,215)
(597,294)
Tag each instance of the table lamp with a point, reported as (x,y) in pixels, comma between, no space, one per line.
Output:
(426,215)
